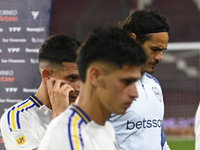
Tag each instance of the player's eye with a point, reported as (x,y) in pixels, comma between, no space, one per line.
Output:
(73,79)
(127,82)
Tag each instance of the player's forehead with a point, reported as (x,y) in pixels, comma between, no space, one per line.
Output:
(159,40)
(128,71)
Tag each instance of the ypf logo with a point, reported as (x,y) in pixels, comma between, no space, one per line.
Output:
(13,50)
(14,29)
(35,14)
(11,89)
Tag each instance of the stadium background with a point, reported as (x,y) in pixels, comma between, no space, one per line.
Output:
(178,73)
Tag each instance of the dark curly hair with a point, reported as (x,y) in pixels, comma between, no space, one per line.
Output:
(144,22)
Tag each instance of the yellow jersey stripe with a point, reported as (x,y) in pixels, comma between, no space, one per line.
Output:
(15,114)
(35,100)
(13,119)
(80,113)
(76,134)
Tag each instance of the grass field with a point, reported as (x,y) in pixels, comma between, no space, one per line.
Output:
(181,143)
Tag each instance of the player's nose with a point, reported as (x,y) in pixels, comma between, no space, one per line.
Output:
(77,85)
(133,93)
(159,55)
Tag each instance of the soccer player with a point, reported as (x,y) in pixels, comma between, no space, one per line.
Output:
(24,124)
(140,128)
(109,64)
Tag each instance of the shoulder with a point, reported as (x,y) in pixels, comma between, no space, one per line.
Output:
(18,114)
(150,77)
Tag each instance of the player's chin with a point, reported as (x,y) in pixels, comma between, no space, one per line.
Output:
(121,110)
(150,70)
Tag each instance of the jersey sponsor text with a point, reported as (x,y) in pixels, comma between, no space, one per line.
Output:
(144,124)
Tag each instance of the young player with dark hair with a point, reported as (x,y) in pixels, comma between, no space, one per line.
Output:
(24,124)
(109,64)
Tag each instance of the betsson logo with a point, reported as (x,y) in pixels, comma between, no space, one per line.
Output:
(143,124)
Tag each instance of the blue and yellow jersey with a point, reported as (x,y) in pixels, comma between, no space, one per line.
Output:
(74,130)
(76,119)
(14,112)
(24,124)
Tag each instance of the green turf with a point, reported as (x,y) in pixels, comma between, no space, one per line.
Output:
(181,144)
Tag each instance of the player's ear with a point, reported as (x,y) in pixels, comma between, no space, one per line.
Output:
(46,74)
(133,36)
(94,74)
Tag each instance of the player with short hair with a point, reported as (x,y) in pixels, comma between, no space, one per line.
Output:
(109,64)
(140,128)
(24,124)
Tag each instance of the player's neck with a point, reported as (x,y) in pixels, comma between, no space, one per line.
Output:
(93,108)
(43,96)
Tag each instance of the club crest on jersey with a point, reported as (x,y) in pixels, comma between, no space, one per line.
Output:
(157,93)
(20,139)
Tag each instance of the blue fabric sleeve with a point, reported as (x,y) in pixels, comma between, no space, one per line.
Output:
(163,138)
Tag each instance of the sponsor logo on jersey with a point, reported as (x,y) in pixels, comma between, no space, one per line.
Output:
(11,89)
(28,50)
(143,124)
(35,14)
(41,29)
(157,93)
(14,29)
(13,50)
(20,139)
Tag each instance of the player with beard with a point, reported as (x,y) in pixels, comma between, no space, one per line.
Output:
(109,64)
(140,128)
